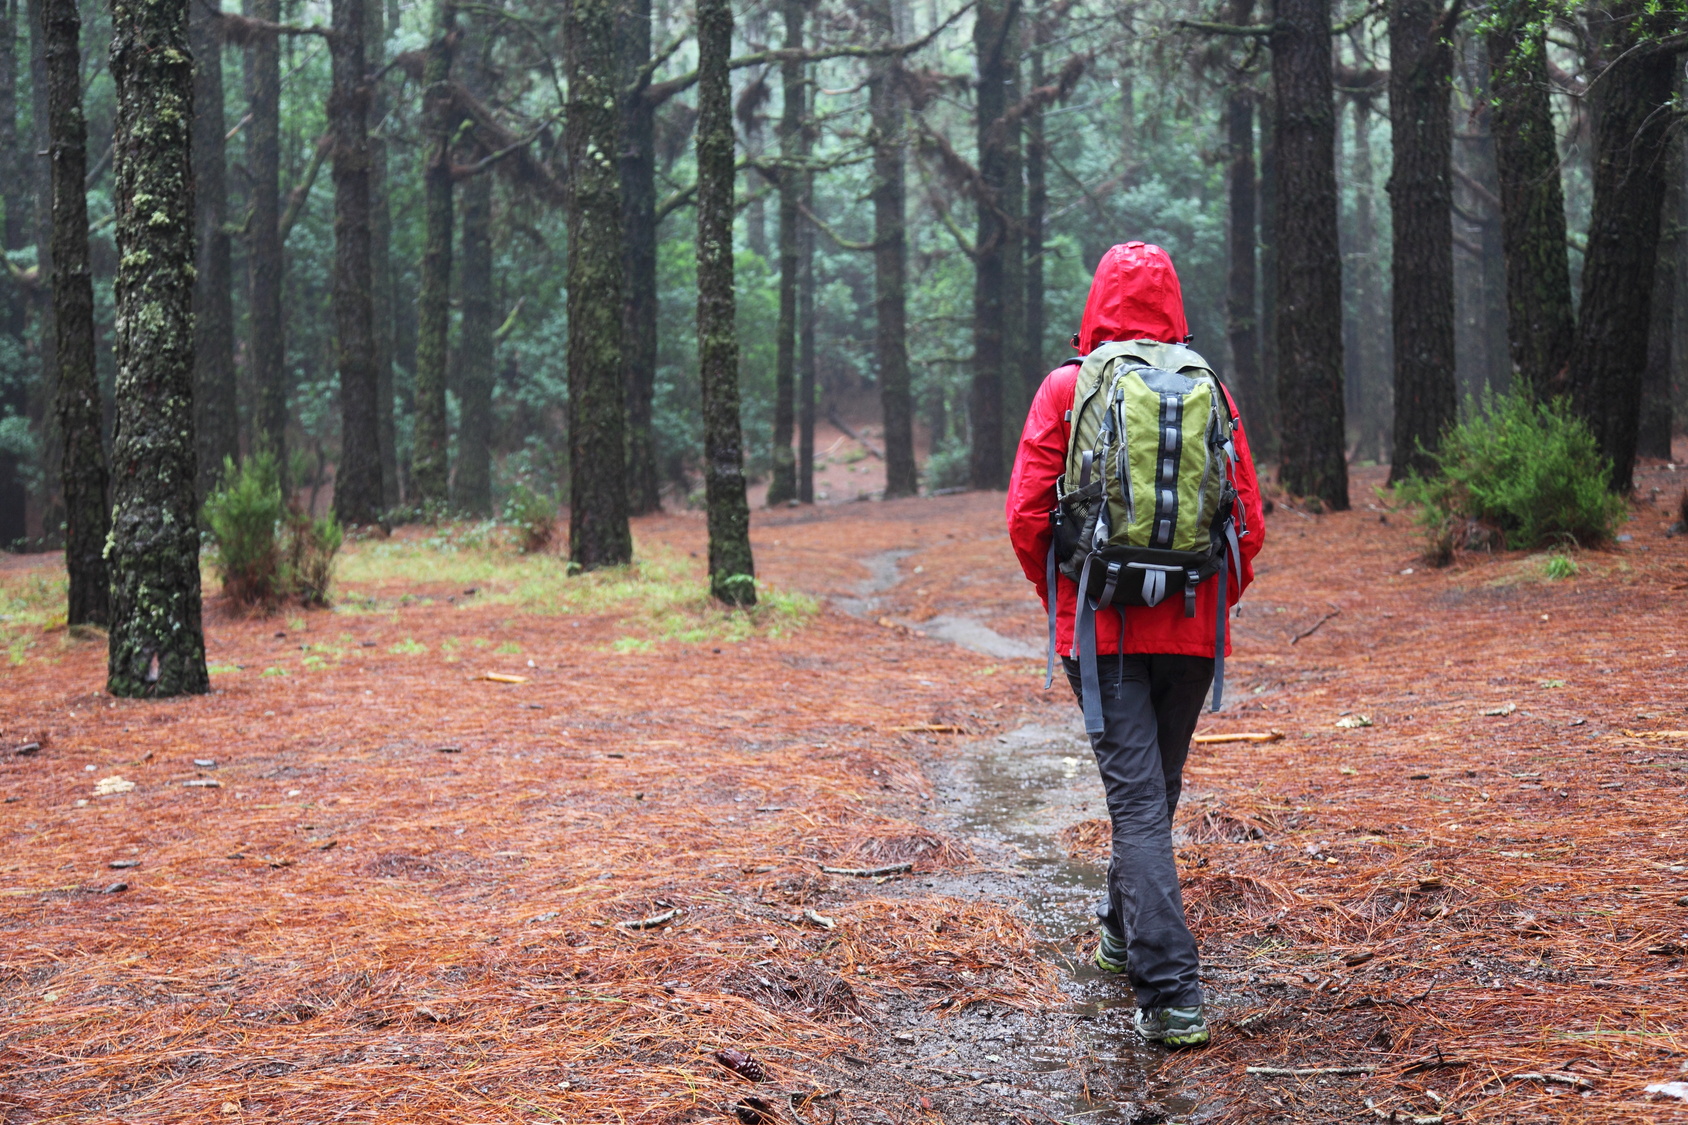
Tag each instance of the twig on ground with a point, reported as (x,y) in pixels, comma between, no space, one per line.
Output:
(652,922)
(869,872)
(1309,632)
(1307,1071)
(1240,736)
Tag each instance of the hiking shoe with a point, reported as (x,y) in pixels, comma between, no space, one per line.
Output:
(1111,953)
(1175,1027)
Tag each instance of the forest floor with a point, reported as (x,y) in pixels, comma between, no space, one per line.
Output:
(362,882)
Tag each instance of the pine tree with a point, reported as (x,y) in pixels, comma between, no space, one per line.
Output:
(156,644)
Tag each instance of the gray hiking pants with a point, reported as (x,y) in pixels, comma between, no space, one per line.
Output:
(1149,711)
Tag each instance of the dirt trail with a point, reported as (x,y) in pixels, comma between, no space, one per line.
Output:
(1486,882)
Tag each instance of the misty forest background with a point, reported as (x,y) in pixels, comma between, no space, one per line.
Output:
(1088,125)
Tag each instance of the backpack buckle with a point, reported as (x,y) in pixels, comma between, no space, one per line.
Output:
(1190,580)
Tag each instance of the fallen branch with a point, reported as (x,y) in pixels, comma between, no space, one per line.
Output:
(652,922)
(1561,1079)
(869,872)
(1316,624)
(1307,1071)
(930,728)
(1397,1115)
(1240,736)
(501,678)
(832,416)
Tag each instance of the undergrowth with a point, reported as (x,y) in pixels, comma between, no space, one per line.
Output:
(29,603)
(1519,474)
(663,596)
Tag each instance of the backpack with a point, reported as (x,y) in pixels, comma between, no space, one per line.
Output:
(1146,508)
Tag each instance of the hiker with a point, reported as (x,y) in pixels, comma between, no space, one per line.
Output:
(1160,544)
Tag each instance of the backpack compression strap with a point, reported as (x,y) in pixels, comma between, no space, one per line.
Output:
(1049,587)
(1220,618)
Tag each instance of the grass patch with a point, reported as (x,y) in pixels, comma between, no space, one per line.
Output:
(1559,566)
(30,602)
(663,597)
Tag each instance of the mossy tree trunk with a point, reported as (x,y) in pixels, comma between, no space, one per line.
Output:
(266,264)
(1421,201)
(156,644)
(638,262)
(782,486)
(382,308)
(731,567)
(357,482)
(80,411)
(993,39)
(430,457)
(888,109)
(806,389)
(1312,459)
(598,531)
(216,400)
(1540,323)
(1632,122)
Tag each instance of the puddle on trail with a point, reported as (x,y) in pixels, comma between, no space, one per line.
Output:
(885,573)
(1080,1062)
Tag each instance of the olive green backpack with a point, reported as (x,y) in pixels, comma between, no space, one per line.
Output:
(1146,508)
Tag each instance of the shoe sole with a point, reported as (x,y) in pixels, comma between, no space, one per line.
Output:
(1198,1038)
(1108,966)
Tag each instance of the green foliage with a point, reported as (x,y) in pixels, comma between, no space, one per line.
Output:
(240,519)
(533,516)
(1559,566)
(1528,470)
(265,553)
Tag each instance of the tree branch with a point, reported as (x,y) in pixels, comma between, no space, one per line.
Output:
(837,239)
(301,192)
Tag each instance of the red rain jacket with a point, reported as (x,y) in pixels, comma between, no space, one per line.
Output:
(1135,296)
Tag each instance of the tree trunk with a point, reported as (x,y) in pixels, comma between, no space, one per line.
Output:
(42,408)
(1268,449)
(1309,265)
(1540,323)
(472,482)
(1241,322)
(217,412)
(1035,364)
(14,183)
(1631,132)
(806,337)
(80,412)
(638,255)
(1420,203)
(266,266)
(890,258)
(357,481)
(1015,397)
(782,487)
(993,34)
(156,646)
(731,568)
(1375,361)
(430,457)
(598,532)
(382,308)
(1653,436)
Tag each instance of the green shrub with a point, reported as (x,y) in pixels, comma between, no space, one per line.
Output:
(534,517)
(1526,472)
(1560,566)
(240,520)
(263,551)
(312,545)
(948,467)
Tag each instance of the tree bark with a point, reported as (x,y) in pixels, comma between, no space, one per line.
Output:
(1539,319)
(1268,449)
(1309,262)
(806,336)
(14,308)
(890,258)
(80,412)
(1373,411)
(471,483)
(598,531)
(1422,265)
(266,265)
(1654,433)
(40,179)
(1242,323)
(782,487)
(216,401)
(731,567)
(1631,131)
(638,255)
(156,646)
(1035,365)
(382,309)
(993,37)
(357,481)
(1016,397)
(430,457)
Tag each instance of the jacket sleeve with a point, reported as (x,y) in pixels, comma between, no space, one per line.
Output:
(1040,459)
(1248,495)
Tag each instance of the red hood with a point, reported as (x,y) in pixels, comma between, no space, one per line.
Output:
(1135,297)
